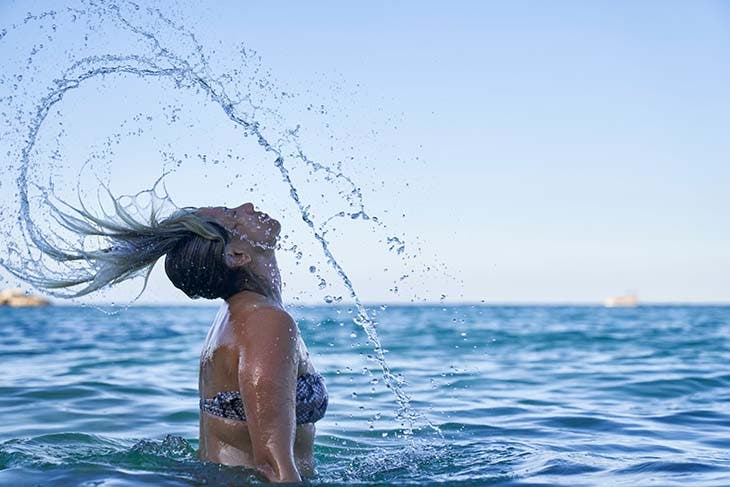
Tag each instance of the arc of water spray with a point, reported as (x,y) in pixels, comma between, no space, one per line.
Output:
(181,70)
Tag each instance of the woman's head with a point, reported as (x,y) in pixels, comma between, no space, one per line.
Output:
(196,266)
(210,252)
(229,262)
(251,230)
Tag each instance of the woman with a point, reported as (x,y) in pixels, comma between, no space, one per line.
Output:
(259,393)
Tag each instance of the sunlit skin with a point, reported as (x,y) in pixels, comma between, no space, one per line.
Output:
(254,346)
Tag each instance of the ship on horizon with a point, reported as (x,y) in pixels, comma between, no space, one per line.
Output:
(630,300)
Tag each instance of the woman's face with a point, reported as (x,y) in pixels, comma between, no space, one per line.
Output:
(254,227)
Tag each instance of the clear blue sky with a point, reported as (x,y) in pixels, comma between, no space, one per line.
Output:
(553,151)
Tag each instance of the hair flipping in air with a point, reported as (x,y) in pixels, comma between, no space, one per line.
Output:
(193,245)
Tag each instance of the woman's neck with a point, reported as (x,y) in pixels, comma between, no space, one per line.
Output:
(246,298)
(266,272)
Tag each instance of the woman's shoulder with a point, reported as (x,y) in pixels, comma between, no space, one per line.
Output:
(247,305)
(257,307)
(262,319)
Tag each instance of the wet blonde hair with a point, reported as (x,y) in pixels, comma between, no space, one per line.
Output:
(130,246)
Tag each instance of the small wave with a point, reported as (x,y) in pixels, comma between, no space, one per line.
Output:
(590,423)
(171,446)
(55,449)
(82,459)
(566,467)
(696,417)
(429,461)
(670,467)
(75,448)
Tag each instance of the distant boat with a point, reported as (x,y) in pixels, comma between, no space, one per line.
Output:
(625,301)
(18,299)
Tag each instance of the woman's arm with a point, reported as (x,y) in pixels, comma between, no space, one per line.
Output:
(267,376)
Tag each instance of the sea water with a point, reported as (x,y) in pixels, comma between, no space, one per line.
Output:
(529,395)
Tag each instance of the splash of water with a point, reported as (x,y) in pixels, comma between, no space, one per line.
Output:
(190,72)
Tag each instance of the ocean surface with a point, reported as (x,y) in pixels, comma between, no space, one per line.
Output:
(511,396)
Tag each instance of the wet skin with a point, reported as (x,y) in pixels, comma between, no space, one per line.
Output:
(255,347)
(245,222)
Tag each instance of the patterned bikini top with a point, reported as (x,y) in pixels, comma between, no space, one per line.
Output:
(311,397)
